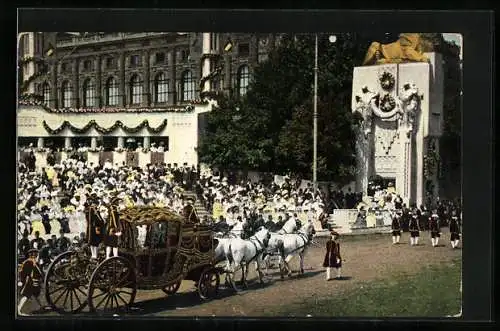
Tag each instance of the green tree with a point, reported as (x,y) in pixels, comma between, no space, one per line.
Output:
(274,132)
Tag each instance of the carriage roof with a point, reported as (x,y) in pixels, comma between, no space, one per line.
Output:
(146,215)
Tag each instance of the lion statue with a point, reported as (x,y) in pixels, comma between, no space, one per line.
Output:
(409,48)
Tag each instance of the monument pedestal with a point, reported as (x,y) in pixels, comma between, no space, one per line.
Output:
(401,105)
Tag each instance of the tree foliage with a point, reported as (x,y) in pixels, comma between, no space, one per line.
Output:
(275,130)
(271,129)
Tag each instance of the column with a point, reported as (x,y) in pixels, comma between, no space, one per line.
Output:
(227,73)
(146,141)
(53,86)
(67,142)
(98,81)
(120,142)
(40,143)
(404,188)
(93,142)
(171,77)
(76,88)
(146,95)
(254,51)
(205,66)
(122,99)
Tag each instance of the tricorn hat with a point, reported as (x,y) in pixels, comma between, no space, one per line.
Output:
(334,233)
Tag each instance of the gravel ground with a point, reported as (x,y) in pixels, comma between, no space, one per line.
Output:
(365,258)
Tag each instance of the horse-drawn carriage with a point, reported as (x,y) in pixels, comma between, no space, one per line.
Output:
(158,249)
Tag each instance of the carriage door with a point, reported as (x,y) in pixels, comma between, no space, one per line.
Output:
(159,251)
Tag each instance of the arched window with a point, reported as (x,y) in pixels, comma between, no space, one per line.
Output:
(67,94)
(46,93)
(111,92)
(136,90)
(161,88)
(187,86)
(243,80)
(88,93)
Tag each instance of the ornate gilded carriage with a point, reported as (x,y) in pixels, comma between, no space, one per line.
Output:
(158,249)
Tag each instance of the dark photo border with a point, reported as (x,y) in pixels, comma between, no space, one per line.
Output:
(476,28)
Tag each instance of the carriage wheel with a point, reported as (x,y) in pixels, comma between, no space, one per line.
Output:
(112,286)
(65,284)
(172,288)
(208,285)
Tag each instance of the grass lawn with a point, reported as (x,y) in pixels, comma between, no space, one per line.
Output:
(432,292)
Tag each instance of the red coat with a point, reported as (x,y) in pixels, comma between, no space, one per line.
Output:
(332,254)
(31,277)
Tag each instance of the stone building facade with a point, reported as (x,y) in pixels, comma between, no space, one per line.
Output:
(145,69)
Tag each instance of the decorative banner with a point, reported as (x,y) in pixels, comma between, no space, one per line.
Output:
(157,157)
(100,129)
(103,156)
(132,159)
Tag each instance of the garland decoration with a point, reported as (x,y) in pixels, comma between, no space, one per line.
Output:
(40,72)
(211,75)
(387,81)
(387,103)
(102,130)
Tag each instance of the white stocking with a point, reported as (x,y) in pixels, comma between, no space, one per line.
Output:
(393,239)
(397,239)
(115,251)
(21,304)
(456,243)
(108,252)
(416,240)
(328,273)
(452,244)
(433,242)
(93,251)
(437,241)
(412,241)
(338,272)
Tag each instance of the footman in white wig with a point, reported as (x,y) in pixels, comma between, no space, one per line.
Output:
(113,231)
(332,256)
(454,230)
(95,225)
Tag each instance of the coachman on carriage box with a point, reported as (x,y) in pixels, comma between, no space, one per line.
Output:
(113,229)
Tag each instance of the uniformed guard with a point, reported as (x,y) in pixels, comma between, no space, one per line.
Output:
(396,226)
(414,229)
(113,230)
(95,225)
(434,228)
(30,278)
(332,256)
(454,229)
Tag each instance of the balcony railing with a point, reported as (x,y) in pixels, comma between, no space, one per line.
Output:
(76,41)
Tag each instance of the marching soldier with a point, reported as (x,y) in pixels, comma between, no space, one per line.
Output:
(414,229)
(434,228)
(95,225)
(332,256)
(396,227)
(114,229)
(454,229)
(30,278)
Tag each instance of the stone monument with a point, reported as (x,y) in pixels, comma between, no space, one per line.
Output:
(401,102)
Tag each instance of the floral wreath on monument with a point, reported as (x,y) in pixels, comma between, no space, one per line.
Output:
(387,81)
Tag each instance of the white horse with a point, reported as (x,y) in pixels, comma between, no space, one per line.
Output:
(289,245)
(237,229)
(240,253)
(289,227)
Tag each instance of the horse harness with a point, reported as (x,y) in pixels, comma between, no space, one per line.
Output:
(258,252)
